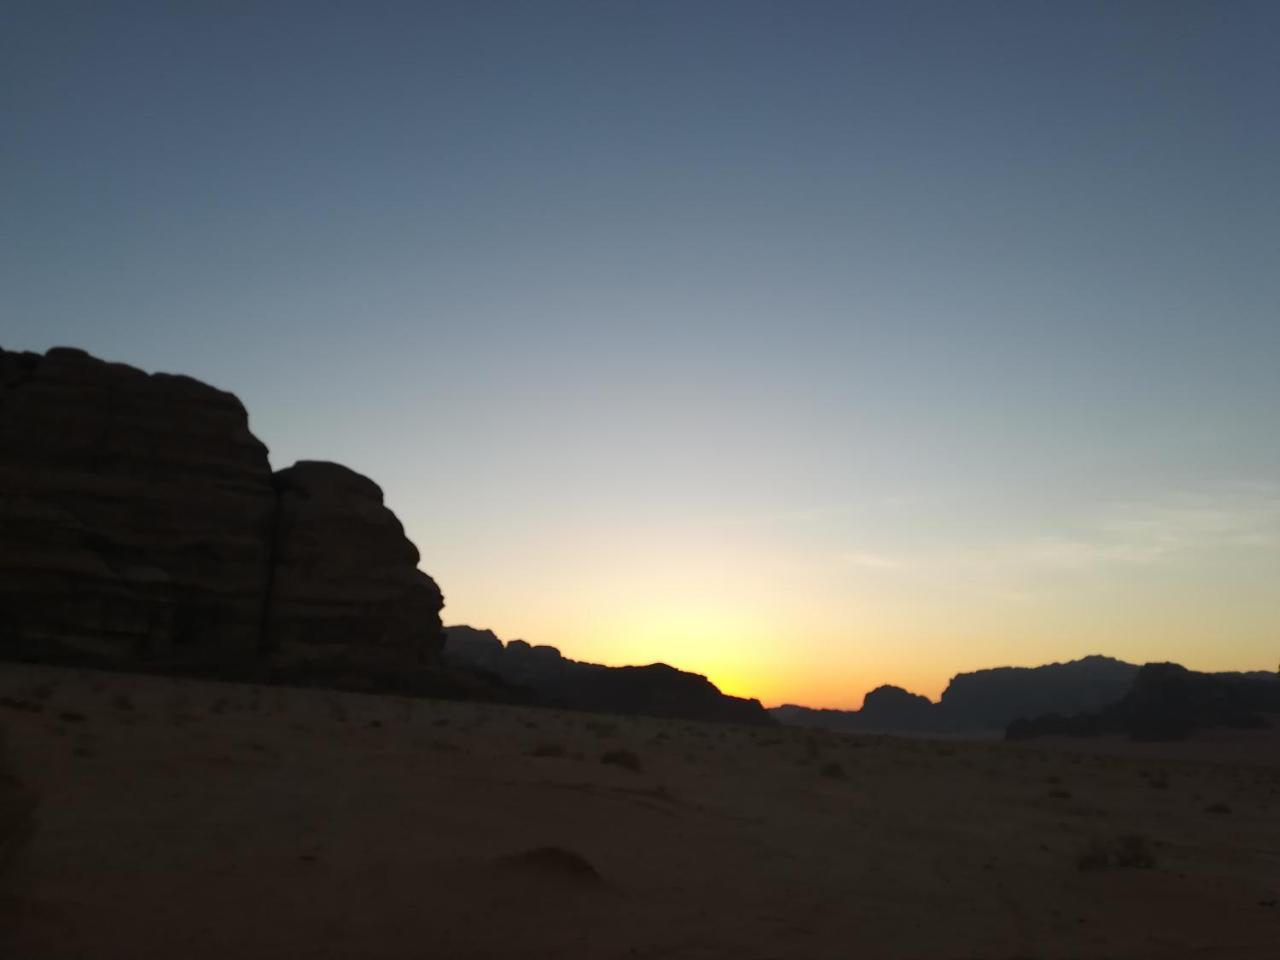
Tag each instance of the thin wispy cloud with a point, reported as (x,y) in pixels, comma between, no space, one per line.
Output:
(1126,534)
(873,561)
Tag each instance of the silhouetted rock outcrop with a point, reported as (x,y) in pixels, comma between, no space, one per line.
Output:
(1168,702)
(135,517)
(990,699)
(984,701)
(346,585)
(654,690)
(892,708)
(475,648)
(141,526)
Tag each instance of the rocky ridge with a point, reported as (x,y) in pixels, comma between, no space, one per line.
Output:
(655,689)
(982,701)
(1168,702)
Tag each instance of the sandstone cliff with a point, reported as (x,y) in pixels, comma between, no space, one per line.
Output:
(346,592)
(141,526)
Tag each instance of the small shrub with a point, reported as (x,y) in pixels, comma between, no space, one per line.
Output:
(1127,852)
(1095,858)
(547,750)
(16,807)
(123,703)
(832,770)
(1060,794)
(1217,808)
(621,758)
(1133,850)
(71,716)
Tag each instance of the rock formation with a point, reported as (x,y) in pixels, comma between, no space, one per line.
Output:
(984,701)
(892,708)
(135,517)
(990,699)
(346,584)
(1168,702)
(141,526)
(654,690)
(886,709)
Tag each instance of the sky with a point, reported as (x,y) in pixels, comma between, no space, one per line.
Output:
(810,346)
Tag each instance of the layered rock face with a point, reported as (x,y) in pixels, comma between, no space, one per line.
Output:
(346,581)
(135,516)
(140,525)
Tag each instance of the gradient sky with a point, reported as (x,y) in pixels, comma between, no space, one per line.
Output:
(807,345)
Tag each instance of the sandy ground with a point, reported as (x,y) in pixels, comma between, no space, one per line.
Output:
(181,819)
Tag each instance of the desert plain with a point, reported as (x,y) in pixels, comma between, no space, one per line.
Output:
(178,818)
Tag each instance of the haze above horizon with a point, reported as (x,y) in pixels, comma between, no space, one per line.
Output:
(809,346)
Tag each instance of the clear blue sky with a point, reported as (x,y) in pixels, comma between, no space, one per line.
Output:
(810,345)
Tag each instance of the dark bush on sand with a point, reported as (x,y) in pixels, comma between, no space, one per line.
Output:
(16,806)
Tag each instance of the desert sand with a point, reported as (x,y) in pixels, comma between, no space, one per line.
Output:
(187,819)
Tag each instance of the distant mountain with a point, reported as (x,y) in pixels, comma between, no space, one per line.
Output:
(886,709)
(1168,702)
(991,699)
(554,680)
(981,701)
